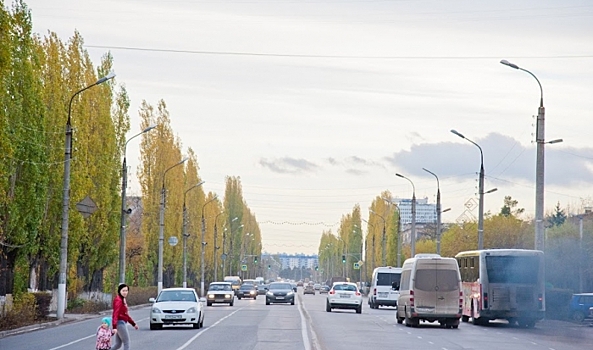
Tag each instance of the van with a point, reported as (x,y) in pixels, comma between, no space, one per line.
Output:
(430,290)
(384,289)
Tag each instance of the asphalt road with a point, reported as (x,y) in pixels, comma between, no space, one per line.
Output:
(250,324)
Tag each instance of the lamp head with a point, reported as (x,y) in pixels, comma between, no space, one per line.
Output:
(507,63)
(400,175)
(457,133)
(149,128)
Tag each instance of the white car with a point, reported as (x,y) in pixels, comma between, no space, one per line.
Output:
(177,306)
(344,295)
(220,292)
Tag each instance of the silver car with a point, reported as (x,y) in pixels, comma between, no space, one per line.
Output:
(177,306)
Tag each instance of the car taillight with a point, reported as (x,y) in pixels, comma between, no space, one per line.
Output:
(357,294)
(332,292)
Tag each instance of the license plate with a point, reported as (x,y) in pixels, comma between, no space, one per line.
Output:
(279,297)
(172,317)
(383,294)
(344,295)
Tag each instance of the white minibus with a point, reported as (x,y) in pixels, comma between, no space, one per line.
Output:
(384,290)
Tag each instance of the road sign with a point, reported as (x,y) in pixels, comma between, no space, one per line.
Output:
(223,256)
(356,266)
(243,267)
(173,241)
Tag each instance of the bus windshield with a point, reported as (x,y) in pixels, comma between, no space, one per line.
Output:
(387,279)
(513,269)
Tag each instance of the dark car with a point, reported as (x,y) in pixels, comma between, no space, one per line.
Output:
(579,306)
(247,291)
(262,289)
(323,289)
(309,289)
(280,292)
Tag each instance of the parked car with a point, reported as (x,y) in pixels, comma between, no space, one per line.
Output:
(344,295)
(579,306)
(309,289)
(220,292)
(247,290)
(280,292)
(324,289)
(177,306)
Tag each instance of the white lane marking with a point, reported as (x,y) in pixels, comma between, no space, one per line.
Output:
(187,343)
(304,333)
(81,339)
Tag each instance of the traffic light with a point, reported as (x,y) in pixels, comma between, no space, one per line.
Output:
(269,267)
(316,268)
(255,259)
(343,259)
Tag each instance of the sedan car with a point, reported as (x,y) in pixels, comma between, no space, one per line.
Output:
(220,292)
(280,292)
(177,306)
(247,291)
(324,289)
(344,295)
(262,289)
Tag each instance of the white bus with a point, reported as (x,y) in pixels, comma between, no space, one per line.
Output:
(503,284)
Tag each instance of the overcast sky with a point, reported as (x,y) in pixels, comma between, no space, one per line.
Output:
(317,104)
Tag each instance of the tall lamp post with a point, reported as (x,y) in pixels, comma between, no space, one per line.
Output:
(438,211)
(215,246)
(539,167)
(66,201)
(185,234)
(383,239)
(162,225)
(124,211)
(202,292)
(480,192)
(413,230)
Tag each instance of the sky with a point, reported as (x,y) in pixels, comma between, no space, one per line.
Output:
(316,104)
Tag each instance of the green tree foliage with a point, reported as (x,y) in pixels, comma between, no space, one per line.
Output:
(510,207)
(558,218)
(233,205)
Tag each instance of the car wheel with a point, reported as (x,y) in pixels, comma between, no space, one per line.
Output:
(577,316)
(359,309)
(208,304)
(239,298)
(231,303)
(154,326)
(328,307)
(196,325)
(202,322)
(267,302)
(292,302)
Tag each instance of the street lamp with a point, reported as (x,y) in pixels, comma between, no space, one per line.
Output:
(539,167)
(413,230)
(162,225)
(185,234)
(202,293)
(124,211)
(383,239)
(438,211)
(480,192)
(66,201)
(215,246)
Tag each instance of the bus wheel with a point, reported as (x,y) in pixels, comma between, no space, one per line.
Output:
(465,318)
(479,321)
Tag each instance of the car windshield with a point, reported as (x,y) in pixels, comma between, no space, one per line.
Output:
(176,295)
(217,287)
(280,286)
(346,287)
(248,286)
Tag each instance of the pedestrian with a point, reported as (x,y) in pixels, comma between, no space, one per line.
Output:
(104,334)
(121,318)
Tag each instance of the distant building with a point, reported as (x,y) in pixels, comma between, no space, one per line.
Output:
(297,261)
(426,217)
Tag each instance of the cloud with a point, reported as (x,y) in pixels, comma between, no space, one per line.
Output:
(504,158)
(288,165)
(356,172)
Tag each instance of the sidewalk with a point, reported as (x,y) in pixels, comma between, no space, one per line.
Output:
(68,317)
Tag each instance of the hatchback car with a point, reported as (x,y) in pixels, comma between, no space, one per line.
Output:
(324,289)
(344,295)
(220,292)
(177,306)
(280,292)
(309,289)
(247,291)
(579,306)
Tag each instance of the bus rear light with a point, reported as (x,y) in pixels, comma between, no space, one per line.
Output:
(411,298)
(540,301)
(485,300)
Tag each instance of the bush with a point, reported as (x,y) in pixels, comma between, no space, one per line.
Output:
(140,295)
(23,312)
(43,301)
(81,306)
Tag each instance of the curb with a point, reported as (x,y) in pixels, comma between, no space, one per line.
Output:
(73,318)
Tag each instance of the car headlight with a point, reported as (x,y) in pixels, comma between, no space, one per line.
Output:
(211,296)
(192,310)
(156,310)
(270,294)
(227,295)
(252,292)
(289,293)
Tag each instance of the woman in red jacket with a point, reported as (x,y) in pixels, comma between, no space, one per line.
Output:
(121,318)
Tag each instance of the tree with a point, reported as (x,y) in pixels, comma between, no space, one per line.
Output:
(510,207)
(558,217)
